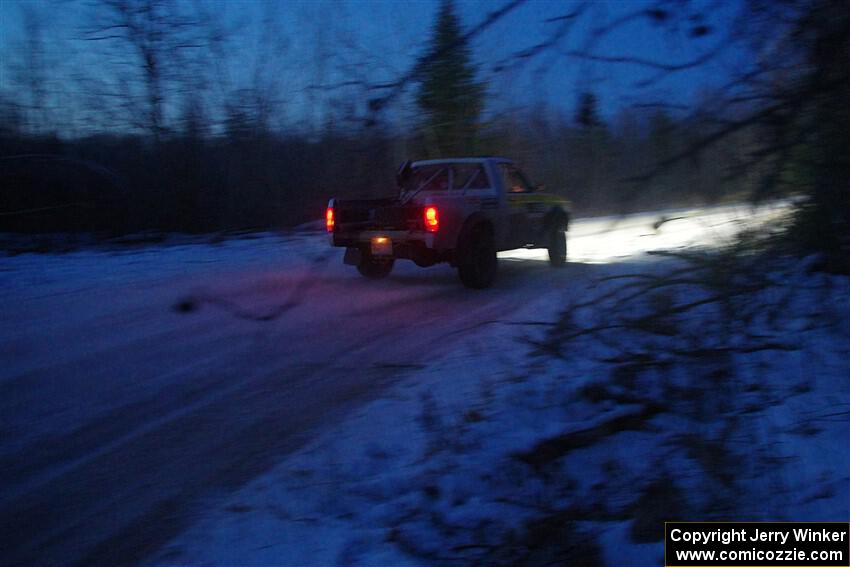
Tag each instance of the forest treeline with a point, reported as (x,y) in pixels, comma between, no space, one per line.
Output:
(161,137)
(266,180)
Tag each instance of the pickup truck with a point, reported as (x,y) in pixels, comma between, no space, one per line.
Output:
(462,211)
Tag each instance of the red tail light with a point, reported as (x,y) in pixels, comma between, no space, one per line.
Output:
(432,219)
(329,219)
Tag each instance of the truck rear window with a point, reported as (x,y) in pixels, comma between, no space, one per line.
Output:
(469,176)
(428,178)
(437,178)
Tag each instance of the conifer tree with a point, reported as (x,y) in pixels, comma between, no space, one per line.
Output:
(449,96)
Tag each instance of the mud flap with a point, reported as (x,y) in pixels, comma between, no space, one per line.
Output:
(352,256)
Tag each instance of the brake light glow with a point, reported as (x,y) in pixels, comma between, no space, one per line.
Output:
(329,219)
(432,220)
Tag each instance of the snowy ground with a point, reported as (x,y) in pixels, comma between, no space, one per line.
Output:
(256,402)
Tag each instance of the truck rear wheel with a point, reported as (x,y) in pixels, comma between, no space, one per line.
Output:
(477,264)
(557,247)
(374,268)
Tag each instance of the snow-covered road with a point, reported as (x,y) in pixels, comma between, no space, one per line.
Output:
(140,385)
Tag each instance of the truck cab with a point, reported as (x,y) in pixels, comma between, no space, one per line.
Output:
(460,210)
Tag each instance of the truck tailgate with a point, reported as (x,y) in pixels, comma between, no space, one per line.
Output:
(373,214)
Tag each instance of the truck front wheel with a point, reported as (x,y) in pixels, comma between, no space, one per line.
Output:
(557,247)
(374,268)
(477,262)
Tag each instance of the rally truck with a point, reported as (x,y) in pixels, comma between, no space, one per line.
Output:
(461,211)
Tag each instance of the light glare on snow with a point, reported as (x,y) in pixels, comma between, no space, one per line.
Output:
(611,239)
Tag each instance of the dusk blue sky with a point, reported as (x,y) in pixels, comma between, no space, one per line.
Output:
(295,44)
